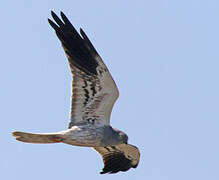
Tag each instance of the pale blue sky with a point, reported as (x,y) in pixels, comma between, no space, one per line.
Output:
(164,57)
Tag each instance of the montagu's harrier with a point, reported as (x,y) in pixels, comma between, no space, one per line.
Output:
(93,95)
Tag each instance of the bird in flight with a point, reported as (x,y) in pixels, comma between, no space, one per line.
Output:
(94,93)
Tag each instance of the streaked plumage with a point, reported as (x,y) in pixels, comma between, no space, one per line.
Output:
(94,93)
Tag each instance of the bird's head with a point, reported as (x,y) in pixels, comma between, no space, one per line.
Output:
(122,137)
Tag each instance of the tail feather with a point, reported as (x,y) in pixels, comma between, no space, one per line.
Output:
(37,138)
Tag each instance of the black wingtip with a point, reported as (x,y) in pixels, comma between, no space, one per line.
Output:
(54,26)
(66,21)
(52,13)
(81,31)
(80,51)
(62,14)
(56,18)
(102,172)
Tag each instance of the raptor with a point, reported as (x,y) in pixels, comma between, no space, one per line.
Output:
(94,93)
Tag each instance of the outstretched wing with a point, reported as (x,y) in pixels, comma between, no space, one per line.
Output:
(119,158)
(94,92)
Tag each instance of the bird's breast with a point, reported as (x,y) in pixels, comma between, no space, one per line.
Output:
(86,135)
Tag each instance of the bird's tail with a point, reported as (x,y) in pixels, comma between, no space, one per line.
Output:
(37,138)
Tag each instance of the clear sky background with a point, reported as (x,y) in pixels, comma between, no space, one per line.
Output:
(164,57)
